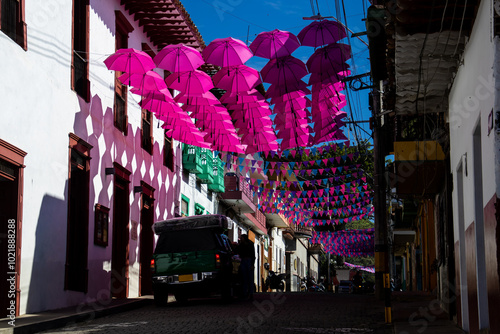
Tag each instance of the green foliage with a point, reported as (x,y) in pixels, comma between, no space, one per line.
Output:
(359,225)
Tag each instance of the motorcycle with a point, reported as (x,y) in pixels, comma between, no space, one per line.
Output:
(274,280)
(313,286)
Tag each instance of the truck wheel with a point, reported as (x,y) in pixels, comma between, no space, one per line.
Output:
(160,296)
(180,297)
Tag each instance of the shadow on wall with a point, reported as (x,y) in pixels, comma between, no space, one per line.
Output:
(47,272)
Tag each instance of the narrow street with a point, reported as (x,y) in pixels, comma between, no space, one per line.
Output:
(267,313)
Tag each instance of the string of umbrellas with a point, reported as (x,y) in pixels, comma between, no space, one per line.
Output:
(243,120)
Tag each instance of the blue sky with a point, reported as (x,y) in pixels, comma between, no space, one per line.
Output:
(244,19)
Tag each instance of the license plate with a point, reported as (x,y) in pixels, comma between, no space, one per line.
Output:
(186,278)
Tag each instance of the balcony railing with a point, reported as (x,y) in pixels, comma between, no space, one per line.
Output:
(238,193)
(301,231)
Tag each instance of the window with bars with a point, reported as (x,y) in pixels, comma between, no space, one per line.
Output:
(12,21)
(80,82)
(146,131)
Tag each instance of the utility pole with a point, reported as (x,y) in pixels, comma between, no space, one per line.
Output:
(375,27)
(382,278)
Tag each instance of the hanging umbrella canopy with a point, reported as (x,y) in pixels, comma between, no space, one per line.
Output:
(322,32)
(207,99)
(259,122)
(291,117)
(226,52)
(251,113)
(247,105)
(297,103)
(250,96)
(130,61)
(327,78)
(287,96)
(239,78)
(280,90)
(161,108)
(288,143)
(332,56)
(162,95)
(192,138)
(190,83)
(209,125)
(266,147)
(149,81)
(178,58)
(283,69)
(273,44)
(262,137)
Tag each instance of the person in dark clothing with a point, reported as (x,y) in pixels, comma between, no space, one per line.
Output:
(246,251)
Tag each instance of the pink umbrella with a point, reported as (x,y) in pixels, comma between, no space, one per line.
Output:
(144,92)
(279,90)
(293,104)
(250,96)
(331,56)
(130,61)
(283,69)
(251,149)
(256,123)
(240,106)
(290,117)
(206,99)
(178,58)
(190,83)
(297,124)
(301,141)
(192,138)
(322,32)
(239,78)
(263,137)
(226,52)
(149,81)
(327,78)
(209,125)
(162,95)
(161,108)
(287,96)
(251,113)
(273,44)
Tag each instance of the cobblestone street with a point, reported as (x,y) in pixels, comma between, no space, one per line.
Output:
(267,313)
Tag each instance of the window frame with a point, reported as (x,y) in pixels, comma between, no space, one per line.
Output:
(168,152)
(147,121)
(123,29)
(21,36)
(80,55)
(185,199)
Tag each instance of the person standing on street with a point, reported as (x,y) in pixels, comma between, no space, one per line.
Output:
(247,254)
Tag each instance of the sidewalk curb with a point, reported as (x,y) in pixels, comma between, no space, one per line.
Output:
(58,318)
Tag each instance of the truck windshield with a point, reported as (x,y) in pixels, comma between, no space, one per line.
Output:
(186,241)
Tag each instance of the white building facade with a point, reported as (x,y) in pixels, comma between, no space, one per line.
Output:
(474,158)
(82,182)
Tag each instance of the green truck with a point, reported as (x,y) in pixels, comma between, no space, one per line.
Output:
(192,258)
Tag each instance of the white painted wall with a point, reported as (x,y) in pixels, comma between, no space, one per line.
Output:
(38,112)
(471,101)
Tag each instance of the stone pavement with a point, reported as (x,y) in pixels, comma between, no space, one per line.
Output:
(300,313)
(420,313)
